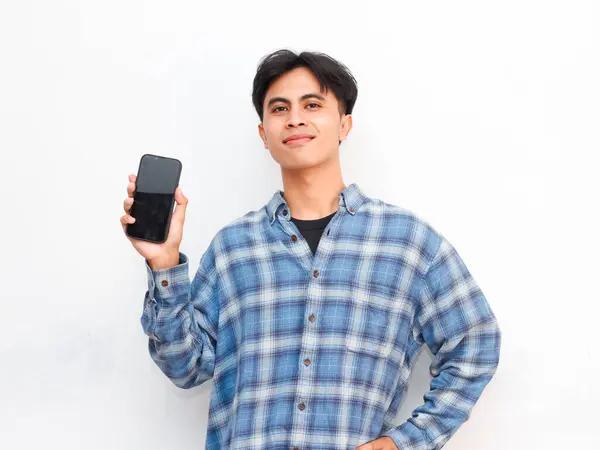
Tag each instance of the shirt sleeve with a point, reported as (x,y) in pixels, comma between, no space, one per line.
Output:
(454,319)
(181,320)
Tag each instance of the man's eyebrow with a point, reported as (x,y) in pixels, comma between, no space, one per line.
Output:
(287,101)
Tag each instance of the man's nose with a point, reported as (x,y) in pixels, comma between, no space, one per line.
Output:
(295,123)
(295,119)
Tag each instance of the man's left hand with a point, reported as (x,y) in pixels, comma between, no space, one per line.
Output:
(383,443)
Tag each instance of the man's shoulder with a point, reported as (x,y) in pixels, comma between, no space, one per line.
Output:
(401,214)
(239,230)
(404,222)
(247,221)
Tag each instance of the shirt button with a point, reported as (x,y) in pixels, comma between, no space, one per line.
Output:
(316,273)
(164,282)
(312,318)
(307,362)
(351,210)
(295,448)
(301,406)
(285,212)
(294,237)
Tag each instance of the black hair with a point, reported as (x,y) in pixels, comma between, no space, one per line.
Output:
(331,74)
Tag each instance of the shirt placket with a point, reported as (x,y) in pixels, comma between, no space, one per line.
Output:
(315,265)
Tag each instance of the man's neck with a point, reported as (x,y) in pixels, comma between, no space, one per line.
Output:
(314,192)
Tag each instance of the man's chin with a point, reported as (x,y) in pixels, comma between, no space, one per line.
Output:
(300,163)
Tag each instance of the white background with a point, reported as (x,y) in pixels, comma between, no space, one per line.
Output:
(482,117)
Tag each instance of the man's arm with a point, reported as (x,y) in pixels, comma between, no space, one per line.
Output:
(454,319)
(180,318)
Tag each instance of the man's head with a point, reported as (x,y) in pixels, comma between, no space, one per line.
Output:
(303,94)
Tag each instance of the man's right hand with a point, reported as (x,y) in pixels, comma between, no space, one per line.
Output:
(166,254)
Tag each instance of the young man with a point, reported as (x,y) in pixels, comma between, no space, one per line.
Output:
(309,312)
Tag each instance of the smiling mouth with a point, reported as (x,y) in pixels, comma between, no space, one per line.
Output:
(299,141)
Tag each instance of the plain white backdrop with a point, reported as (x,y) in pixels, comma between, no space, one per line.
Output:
(482,117)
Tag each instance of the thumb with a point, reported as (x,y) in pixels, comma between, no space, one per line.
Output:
(182,202)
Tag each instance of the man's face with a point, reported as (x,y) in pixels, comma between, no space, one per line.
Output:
(294,105)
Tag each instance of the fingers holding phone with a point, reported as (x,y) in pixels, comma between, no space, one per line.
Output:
(181,204)
(127,218)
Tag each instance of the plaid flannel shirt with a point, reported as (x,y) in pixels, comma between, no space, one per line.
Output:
(315,351)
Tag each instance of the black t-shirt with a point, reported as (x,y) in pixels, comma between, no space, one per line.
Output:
(312,229)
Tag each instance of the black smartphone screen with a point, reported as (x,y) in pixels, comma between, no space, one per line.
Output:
(154,198)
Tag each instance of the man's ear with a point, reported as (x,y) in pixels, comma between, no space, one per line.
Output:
(345,127)
(262,134)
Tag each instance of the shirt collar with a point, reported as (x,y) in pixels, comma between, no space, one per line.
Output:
(350,198)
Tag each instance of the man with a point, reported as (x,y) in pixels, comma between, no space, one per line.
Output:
(309,312)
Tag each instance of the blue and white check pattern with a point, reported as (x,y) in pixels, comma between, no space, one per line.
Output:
(315,352)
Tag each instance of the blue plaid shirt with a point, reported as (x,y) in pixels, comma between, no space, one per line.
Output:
(315,352)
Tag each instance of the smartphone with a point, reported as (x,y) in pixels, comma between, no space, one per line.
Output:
(154,198)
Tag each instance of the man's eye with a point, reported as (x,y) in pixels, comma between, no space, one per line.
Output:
(316,104)
(277,107)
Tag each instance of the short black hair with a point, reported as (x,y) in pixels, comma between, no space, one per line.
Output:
(332,75)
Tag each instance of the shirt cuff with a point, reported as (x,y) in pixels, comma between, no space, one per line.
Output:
(167,285)
(408,436)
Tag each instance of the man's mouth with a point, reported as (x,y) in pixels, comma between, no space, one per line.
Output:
(298,140)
